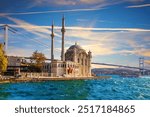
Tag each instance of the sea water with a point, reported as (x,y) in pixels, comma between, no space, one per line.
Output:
(114,88)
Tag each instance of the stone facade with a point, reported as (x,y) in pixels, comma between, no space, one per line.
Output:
(81,59)
(77,63)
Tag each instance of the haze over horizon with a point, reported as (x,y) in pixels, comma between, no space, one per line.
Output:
(115,31)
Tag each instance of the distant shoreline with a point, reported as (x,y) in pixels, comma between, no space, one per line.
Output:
(17,80)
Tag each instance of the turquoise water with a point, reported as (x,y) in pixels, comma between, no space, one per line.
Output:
(102,89)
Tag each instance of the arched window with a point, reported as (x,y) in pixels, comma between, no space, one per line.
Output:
(82,61)
(85,62)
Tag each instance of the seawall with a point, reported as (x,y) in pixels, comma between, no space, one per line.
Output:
(25,79)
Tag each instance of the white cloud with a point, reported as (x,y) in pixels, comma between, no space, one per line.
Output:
(133,44)
(109,41)
(135,1)
(50,11)
(109,29)
(147,40)
(16,51)
(29,27)
(89,5)
(79,2)
(34,29)
(139,6)
(69,2)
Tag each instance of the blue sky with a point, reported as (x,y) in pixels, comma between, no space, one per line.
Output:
(116,31)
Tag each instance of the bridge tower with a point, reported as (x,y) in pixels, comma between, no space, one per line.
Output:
(6,29)
(141,65)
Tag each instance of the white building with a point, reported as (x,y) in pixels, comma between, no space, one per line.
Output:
(74,63)
(16,63)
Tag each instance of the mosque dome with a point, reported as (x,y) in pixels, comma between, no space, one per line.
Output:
(77,54)
(76,46)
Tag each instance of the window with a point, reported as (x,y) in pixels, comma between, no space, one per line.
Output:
(85,62)
(82,61)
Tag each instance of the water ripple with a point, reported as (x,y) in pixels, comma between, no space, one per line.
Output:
(115,88)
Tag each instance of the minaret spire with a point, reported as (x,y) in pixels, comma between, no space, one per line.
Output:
(52,42)
(63,36)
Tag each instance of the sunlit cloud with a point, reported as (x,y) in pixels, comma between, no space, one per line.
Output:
(147,62)
(107,43)
(101,66)
(145,52)
(101,41)
(98,49)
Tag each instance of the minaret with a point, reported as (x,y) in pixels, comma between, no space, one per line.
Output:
(52,42)
(63,34)
(89,62)
(75,54)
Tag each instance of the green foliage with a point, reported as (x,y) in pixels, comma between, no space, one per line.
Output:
(37,61)
(3,60)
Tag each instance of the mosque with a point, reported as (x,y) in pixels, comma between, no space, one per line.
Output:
(75,62)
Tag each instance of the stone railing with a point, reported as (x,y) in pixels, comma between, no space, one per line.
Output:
(34,74)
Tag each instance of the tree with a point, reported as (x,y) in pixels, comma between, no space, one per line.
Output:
(37,61)
(3,60)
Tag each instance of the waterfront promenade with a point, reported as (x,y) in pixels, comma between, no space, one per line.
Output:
(39,79)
